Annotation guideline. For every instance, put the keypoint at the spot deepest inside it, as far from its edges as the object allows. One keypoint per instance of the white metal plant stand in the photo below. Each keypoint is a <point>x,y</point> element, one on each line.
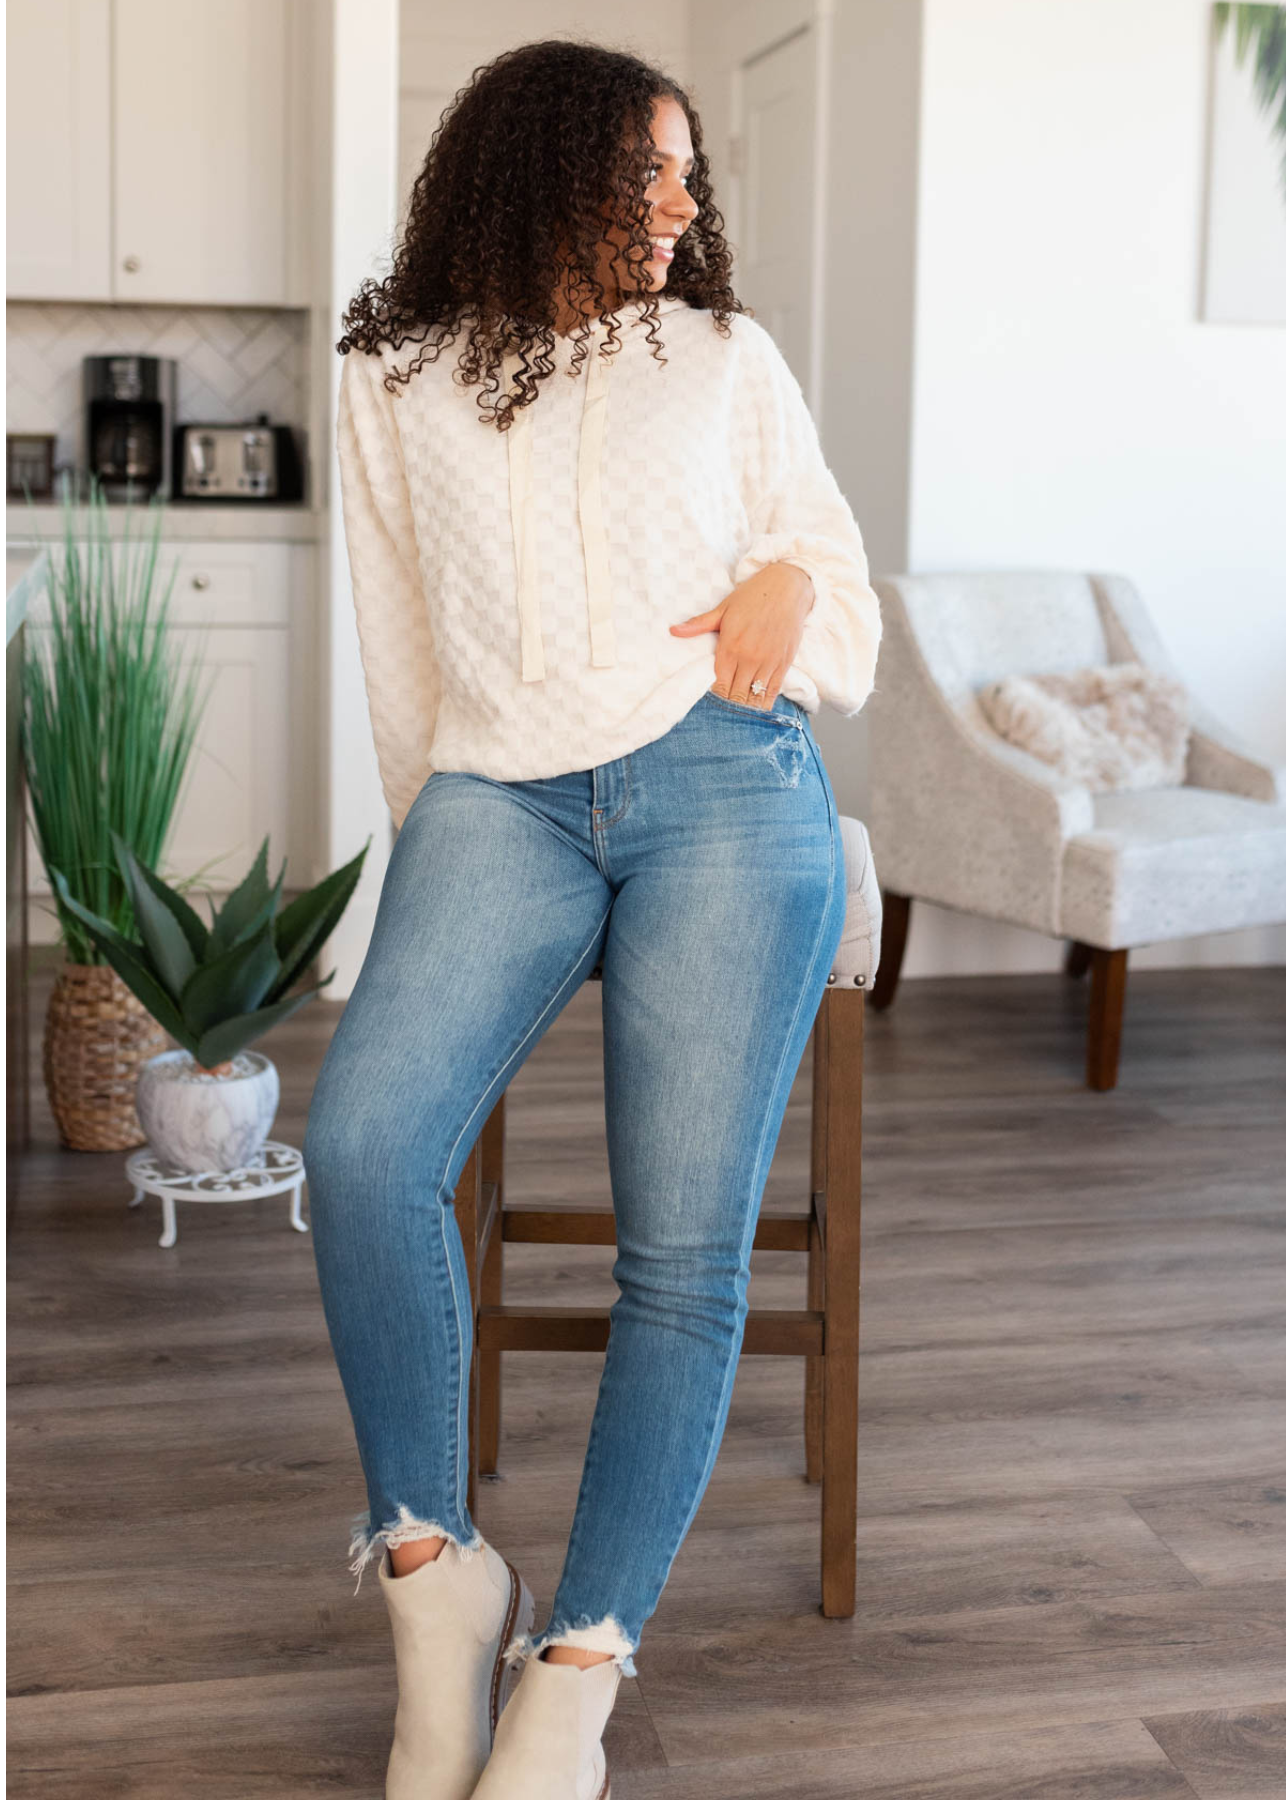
<point>276,1169</point>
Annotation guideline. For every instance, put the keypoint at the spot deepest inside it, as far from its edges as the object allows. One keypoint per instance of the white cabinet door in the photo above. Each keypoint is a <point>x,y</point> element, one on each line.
<point>58,174</point>
<point>236,786</point>
<point>238,779</point>
<point>200,165</point>
<point>241,614</point>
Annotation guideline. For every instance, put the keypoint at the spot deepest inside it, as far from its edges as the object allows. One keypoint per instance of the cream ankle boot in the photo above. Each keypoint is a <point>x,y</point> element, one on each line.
<point>453,1619</point>
<point>547,1744</point>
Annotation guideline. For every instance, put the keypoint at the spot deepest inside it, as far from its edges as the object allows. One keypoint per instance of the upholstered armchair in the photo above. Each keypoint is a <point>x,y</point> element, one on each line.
<point>962,818</point>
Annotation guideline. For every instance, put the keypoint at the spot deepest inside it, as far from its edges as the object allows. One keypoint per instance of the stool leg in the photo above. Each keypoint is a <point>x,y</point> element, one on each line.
<point>491,1292</point>
<point>466,1212</point>
<point>815,1366</point>
<point>844,1017</point>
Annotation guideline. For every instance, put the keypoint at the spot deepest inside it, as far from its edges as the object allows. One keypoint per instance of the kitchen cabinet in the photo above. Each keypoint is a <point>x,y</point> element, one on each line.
<point>58,175</point>
<point>244,613</point>
<point>157,151</point>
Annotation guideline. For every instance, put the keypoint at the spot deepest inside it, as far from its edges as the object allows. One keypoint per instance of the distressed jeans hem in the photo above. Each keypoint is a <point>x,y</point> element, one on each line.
<point>367,1543</point>
<point>606,1635</point>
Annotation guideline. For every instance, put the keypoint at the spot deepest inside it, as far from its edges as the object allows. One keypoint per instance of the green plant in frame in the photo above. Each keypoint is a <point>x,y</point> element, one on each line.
<point>217,987</point>
<point>1262,28</point>
<point>109,721</point>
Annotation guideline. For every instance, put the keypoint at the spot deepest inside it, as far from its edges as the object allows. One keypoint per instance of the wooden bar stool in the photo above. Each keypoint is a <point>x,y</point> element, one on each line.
<point>824,1333</point>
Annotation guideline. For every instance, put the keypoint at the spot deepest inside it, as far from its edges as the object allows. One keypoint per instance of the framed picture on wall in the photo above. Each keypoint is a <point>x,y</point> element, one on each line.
<point>1244,262</point>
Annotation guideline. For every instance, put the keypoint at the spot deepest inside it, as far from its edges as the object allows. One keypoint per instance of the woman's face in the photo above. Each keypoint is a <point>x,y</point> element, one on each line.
<point>671,208</point>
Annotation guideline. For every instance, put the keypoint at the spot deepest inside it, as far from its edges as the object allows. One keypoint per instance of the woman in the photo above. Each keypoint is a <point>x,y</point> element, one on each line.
<point>602,577</point>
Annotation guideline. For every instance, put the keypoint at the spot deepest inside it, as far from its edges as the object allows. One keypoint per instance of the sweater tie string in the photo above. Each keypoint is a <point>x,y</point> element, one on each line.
<point>593,533</point>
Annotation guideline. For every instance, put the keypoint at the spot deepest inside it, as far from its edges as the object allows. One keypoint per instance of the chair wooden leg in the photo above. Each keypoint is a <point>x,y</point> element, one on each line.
<point>893,933</point>
<point>491,1292</point>
<point>840,1020</point>
<point>815,1366</point>
<point>1107,1010</point>
<point>1076,958</point>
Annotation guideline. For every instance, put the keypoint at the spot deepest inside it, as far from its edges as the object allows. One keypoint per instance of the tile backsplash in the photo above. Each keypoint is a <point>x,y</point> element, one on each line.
<point>234,362</point>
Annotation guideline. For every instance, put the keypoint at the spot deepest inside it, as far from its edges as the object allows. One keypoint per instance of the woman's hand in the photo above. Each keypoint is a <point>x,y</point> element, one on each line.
<point>760,625</point>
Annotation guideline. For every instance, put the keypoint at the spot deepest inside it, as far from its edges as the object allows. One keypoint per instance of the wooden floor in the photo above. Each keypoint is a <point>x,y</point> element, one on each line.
<point>1072,1534</point>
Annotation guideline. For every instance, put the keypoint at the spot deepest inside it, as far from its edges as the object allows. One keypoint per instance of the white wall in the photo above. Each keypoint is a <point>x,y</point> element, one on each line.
<point>868,355</point>
<point>443,45</point>
<point>1069,407</point>
<point>1016,374</point>
<point>362,45</point>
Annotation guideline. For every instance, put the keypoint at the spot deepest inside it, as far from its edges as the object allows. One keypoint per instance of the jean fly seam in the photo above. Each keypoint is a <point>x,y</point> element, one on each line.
<point>602,824</point>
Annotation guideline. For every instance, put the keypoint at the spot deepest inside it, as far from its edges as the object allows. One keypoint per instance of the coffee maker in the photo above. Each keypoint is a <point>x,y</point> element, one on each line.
<point>130,406</point>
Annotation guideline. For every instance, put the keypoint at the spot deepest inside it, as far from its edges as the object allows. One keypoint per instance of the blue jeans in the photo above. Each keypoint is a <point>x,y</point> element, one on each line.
<point>706,871</point>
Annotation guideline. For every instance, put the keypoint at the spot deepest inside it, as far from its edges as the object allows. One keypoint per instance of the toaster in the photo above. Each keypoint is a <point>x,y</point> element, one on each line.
<point>257,461</point>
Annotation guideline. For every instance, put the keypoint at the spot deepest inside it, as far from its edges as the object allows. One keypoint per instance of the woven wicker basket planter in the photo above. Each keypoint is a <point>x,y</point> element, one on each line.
<point>97,1037</point>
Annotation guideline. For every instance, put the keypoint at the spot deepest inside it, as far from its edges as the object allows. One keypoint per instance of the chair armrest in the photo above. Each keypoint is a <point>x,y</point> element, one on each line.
<point>1217,757</point>
<point>958,816</point>
<point>1032,787</point>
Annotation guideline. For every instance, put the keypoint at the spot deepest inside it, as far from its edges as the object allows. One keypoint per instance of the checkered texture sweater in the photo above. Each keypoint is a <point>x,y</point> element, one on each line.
<point>514,590</point>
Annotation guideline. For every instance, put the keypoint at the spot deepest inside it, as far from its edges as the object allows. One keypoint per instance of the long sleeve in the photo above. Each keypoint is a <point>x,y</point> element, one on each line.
<point>403,680</point>
<point>800,516</point>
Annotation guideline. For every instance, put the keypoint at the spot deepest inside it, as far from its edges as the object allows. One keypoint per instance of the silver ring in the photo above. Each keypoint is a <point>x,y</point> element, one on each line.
<point>759,687</point>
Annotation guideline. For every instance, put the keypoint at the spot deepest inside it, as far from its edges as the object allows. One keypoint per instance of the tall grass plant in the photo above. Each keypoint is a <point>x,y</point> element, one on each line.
<point>109,714</point>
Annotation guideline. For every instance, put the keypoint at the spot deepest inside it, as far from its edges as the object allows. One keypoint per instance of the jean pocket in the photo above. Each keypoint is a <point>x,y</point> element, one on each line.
<point>781,713</point>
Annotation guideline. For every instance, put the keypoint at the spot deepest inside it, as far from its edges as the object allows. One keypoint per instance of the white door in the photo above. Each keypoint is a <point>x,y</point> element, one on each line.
<point>777,102</point>
<point>58,175</point>
<point>200,167</point>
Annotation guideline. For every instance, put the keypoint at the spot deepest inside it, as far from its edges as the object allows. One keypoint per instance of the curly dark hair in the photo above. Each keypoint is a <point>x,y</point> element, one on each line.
<point>534,156</point>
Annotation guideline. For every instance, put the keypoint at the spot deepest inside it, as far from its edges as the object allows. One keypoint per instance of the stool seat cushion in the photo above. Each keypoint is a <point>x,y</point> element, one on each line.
<point>858,955</point>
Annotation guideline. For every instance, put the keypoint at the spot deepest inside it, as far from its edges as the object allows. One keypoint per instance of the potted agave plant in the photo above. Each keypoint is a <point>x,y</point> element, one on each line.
<point>210,1104</point>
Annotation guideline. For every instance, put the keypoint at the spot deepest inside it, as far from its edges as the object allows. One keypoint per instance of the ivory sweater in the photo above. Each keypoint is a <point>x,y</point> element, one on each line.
<point>514,589</point>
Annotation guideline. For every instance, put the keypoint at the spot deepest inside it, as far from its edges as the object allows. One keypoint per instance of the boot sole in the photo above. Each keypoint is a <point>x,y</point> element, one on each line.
<point>519,1618</point>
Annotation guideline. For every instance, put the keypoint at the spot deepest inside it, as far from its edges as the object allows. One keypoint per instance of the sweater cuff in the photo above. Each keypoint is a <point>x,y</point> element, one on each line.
<point>842,628</point>
<point>807,553</point>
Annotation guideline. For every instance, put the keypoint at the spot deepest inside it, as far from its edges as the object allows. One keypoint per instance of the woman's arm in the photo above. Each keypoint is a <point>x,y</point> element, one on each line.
<point>800,516</point>
<point>403,683</point>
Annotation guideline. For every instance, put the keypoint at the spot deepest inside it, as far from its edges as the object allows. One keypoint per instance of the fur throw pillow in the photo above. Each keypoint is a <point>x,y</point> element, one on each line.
<point>1121,726</point>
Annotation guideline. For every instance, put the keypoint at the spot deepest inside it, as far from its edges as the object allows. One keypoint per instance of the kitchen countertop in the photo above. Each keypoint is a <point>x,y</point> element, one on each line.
<point>184,521</point>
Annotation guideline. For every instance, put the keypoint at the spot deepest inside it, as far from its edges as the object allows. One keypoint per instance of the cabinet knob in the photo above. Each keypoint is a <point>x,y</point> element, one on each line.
<point>200,581</point>
<point>131,265</point>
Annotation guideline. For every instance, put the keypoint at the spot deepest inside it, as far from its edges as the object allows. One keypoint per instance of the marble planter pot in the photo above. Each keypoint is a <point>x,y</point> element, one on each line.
<point>200,1121</point>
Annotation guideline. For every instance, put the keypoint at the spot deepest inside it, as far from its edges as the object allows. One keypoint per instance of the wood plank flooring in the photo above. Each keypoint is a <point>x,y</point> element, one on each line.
<point>1072,1532</point>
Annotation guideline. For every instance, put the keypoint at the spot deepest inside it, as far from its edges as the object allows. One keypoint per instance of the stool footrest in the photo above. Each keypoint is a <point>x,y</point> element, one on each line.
<point>597,1225</point>
<point>768,1332</point>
